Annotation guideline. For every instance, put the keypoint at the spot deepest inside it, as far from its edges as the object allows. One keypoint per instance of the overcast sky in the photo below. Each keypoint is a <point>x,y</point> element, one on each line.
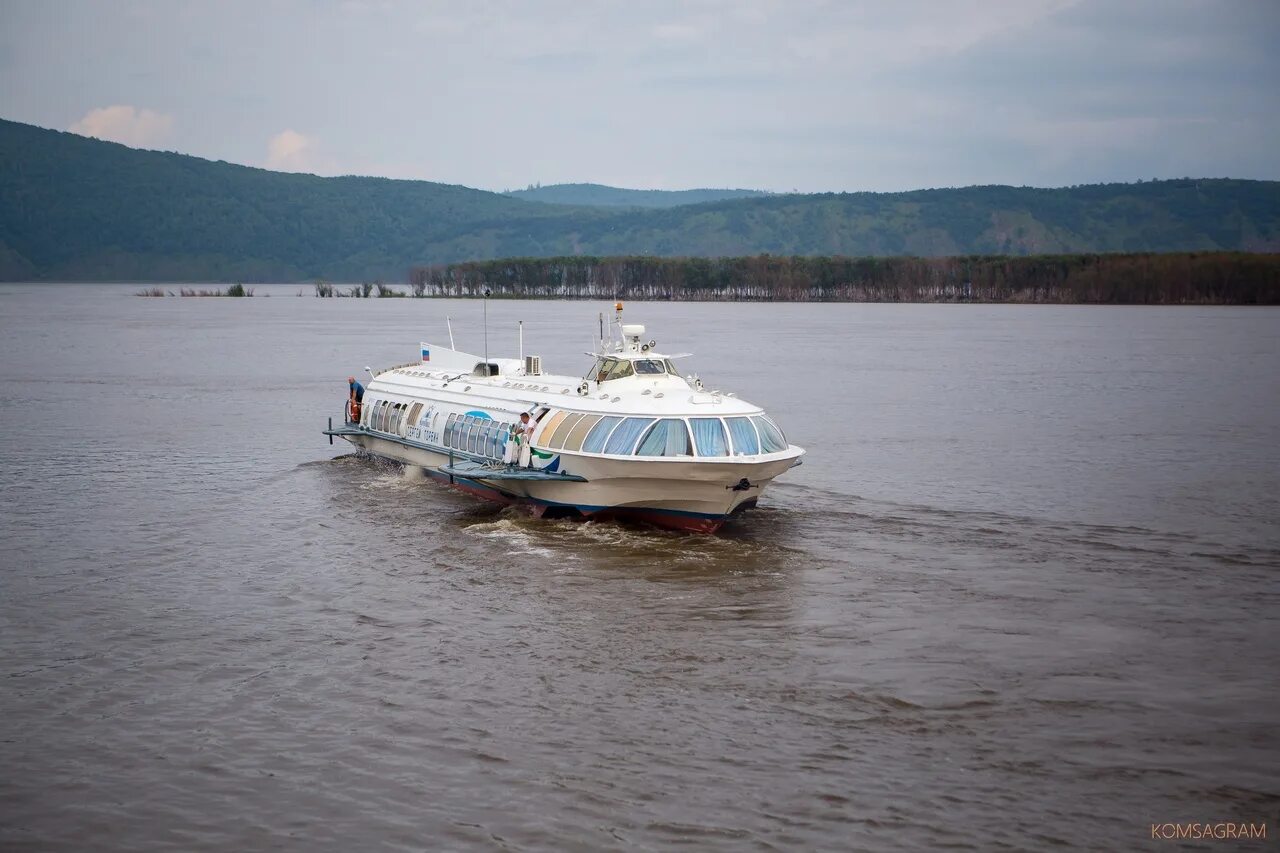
<point>809,96</point>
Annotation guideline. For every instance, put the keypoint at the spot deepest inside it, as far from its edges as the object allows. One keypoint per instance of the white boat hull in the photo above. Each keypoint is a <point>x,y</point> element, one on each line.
<point>683,494</point>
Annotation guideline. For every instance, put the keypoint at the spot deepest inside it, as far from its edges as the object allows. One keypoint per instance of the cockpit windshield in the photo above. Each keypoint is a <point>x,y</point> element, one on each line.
<point>649,366</point>
<point>611,368</point>
<point>608,367</point>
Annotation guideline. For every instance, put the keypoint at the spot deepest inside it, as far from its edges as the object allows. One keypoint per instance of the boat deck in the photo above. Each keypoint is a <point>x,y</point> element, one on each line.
<point>467,468</point>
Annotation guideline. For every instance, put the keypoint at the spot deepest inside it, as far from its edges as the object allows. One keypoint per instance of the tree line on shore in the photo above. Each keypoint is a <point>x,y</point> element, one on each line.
<point>1176,278</point>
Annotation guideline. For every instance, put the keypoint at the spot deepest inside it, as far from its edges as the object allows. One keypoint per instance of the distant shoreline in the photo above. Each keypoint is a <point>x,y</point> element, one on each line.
<point>1177,278</point>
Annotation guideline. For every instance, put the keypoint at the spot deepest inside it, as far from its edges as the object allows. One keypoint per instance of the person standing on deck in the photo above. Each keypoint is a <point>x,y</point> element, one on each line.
<point>525,430</point>
<point>357,397</point>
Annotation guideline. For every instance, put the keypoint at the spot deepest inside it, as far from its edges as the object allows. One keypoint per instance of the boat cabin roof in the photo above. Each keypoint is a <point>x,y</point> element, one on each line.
<point>630,377</point>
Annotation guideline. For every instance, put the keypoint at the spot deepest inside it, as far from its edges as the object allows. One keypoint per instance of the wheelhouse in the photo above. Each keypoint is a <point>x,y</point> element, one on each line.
<point>609,367</point>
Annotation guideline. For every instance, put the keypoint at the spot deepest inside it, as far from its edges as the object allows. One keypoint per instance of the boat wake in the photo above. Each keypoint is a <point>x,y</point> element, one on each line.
<point>627,548</point>
<point>517,539</point>
<point>823,513</point>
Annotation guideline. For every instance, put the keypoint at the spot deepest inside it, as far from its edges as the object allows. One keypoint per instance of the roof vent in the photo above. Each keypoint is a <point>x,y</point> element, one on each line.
<point>533,365</point>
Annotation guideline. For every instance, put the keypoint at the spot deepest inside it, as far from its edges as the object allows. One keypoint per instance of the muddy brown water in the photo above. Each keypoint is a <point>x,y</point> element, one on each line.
<point>1022,593</point>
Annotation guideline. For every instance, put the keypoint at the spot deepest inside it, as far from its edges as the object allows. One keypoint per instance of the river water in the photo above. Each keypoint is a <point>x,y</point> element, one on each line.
<point>1022,593</point>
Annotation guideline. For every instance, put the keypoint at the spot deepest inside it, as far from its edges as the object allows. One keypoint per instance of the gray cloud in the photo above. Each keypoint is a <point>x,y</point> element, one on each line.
<point>805,95</point>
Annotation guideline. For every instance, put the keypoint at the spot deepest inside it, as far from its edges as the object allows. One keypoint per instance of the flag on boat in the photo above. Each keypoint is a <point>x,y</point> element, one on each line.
<point>426,354</point>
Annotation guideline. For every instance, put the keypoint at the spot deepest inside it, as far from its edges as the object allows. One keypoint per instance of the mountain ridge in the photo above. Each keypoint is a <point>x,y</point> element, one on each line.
<point>600,195</point>
<point>80,209</point>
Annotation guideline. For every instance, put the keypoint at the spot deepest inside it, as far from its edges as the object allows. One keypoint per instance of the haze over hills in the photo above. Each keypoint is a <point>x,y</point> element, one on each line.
<point>75,208</point>
<point>603,196</point>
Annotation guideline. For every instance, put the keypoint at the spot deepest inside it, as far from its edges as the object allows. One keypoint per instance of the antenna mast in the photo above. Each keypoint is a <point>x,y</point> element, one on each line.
<point>486,331</point>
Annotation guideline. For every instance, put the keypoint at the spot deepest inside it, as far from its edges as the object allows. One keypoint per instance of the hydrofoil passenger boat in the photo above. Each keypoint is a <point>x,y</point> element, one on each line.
<point>633,438</point>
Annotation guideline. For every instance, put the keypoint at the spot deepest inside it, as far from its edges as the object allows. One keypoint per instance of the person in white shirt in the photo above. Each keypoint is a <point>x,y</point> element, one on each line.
<point>516,450</point>
<point>525,429</point>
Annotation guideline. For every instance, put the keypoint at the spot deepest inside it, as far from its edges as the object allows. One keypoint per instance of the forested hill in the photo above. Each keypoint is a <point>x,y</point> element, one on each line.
<point>80,209</point>
<point>73,208</point>
<point>602,196</point>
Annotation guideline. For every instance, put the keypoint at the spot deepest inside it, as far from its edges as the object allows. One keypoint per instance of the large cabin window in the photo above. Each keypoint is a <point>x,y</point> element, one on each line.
<point>623,440</point>
<point>448,430</point>
<point>600,434</point>
<point>465,433</point>
<point>550,427</point>
<point>501,433</point>
<point>771,438</point>
<point>566,426</point>
<point>708,434</point>
<point>579,432</point>
<point>496,440</point>
<point>668,437</point>
<point>745,442</point>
